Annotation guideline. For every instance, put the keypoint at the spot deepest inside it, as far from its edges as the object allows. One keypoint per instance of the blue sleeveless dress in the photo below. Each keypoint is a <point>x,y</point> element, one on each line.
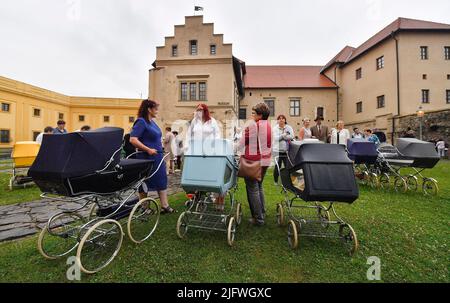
<point>150,135</point>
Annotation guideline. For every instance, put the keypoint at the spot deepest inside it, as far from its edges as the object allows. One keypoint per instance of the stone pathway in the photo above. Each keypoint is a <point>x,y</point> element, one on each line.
<point>25,219</point>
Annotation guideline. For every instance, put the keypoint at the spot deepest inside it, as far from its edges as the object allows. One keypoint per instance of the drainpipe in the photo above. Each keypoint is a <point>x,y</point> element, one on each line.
<point>337,94</point>
<point>398,85</point>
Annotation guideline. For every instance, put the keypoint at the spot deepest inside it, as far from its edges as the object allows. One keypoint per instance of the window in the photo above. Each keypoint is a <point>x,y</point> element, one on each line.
<point>242,114</point>
<point>424,52</point>
<point>358,73</point>
<point>81,118</point>
<point>271,105</point>
<point>380,102</point>
<point>193,91</point>
<point>359,107</point>
<point>448,76</point>
<point>35,134</point>
<point>202,91</point>
<point>184,91</point>
<point>447,52</point>
<point>60,116</point>
<point>4,136</point>
<point>106,119</point>
<point>174,50</point>
<point>5,107</point>
<point>131,119</point>
<point>380,62</point>
<point>320,112</point>
<point>36,112</point>
<point>425,96</point>
<point>294,110</point>
<point>213,49</point>
<point>193,47</point>
<point>424,76</point>
<point>447,96</point>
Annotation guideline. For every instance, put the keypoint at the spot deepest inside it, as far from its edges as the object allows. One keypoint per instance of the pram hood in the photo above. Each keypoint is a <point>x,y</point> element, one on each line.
<point>415,148</point>
<point>315,153</point>
<point>361,147</point>
<point>76,154</point>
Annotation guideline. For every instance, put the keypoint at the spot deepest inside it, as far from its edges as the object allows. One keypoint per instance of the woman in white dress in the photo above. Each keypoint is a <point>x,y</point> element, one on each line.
<point>340,135</point>
<point>305,131</point>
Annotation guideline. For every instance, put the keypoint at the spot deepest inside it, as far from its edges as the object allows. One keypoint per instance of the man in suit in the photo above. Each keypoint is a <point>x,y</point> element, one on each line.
<point>320,131</point>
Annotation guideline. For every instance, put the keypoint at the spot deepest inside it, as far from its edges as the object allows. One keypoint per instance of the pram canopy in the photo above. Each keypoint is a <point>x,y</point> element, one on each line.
<point>328,173</point>
<point>209,166</point>
<point>362,151</point>
<point>423,153</point>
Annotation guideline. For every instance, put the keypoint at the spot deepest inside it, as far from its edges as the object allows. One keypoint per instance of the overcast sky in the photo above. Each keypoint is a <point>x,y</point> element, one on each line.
<point>105,48</point>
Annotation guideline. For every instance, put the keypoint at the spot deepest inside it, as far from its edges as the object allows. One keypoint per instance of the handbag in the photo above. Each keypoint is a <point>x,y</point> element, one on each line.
<point>250,169</point>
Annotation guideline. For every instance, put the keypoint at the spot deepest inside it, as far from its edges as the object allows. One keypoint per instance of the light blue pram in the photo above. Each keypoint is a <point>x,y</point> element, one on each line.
<point>209,172</point>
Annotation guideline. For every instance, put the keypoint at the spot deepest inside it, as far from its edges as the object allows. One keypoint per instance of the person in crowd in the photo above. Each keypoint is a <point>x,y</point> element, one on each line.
<point>47,131</point>
<point>169,141</point>
<point>320,131</point>
<point>204,127</point>
<point>440,146</point>
<point>61,128</point>
<point>178,149</point>
<point>357,134</point>
<point>409,133</point>
<point>371,137</point>
<point>256,143</point>
<point>146,137</point>
<point>236,138</point>
<point>305,131</point>
<point>283,134</point>
<point>340,135</point>
<point>85,128</point>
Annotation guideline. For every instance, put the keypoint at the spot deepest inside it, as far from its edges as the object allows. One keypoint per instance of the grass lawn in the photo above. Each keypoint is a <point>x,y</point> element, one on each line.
<point>408,232</point>
<point>17,195</point>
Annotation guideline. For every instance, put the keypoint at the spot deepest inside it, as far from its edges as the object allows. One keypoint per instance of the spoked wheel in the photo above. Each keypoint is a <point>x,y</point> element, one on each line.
<point>430,187</point>
<point>231,231</point>
<point>412,183</point>
<point>400,185</point>
<point>373,180</point>
<point>292,234</point>
<point>99,246</point>
<point>143,220</point>
<point>182,226</point>
<point>348,235</point>
<point>238,214</point>
<point>280,214</point>
<point>384,181</point>
<point>93,212</point>
<point>323,216</point>
<point>365,178</point>
<point>60,236</point>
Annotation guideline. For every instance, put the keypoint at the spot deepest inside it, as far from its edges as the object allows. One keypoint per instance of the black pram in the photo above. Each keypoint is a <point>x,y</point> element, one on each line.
<point>317,173</point>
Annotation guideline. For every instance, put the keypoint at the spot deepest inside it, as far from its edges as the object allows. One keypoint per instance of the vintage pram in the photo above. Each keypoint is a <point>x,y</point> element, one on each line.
<point>23,155</point>
<point>327,175</point>
<point>413,153</point>
<point>210,170</point>
<point>364,155</point>
<point>85,168</point>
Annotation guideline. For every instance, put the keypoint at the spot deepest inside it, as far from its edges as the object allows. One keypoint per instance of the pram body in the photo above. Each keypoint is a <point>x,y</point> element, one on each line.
<point>23,155</point>
<point>328,176</point>
<point>210,173</point>
<point>84,168</point>
<point>365,155</point>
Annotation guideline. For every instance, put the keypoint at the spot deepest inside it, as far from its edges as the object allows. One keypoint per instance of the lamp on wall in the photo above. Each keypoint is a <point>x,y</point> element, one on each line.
<point>420,115</point>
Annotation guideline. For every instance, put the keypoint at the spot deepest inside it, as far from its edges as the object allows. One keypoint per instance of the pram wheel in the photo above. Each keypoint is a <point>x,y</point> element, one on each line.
<point>143,220</point>
<point>292,234</point>
<point>412,183</point>
<point>348,235</point>
<point>99,246</point>
<point>93,212</point>
<point>373,180</point>
<point>60,235</point>
<point>430,187</point>
<point>280,214</point>
<point>400,184</point>
<point>182,227</point>
<point>365,178</point>
<point>231,231</point>
<point>384,181</point>
<point>238,213</point>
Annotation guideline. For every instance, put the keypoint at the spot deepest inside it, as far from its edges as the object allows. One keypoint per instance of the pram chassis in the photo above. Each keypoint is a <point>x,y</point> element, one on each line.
<point>69,230</point>
<point>318,225</point>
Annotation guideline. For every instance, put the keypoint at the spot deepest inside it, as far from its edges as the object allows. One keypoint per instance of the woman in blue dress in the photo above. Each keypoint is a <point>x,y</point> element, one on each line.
<point>146,137</point>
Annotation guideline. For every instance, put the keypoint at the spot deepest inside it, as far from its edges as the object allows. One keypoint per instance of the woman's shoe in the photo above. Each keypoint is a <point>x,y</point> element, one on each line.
<point>167,210</point>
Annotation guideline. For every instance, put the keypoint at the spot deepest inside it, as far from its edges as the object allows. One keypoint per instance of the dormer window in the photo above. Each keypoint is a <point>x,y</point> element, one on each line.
<point>213,49</point>
<point>174,50</point>
<point>193,47</point>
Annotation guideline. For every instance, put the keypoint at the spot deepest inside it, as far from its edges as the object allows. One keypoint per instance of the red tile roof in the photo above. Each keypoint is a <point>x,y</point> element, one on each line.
<point>286,77</point>
<point>401,24</point>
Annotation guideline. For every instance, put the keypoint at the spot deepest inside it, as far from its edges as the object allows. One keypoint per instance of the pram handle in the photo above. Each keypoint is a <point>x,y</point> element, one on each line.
<point>142,152</point>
